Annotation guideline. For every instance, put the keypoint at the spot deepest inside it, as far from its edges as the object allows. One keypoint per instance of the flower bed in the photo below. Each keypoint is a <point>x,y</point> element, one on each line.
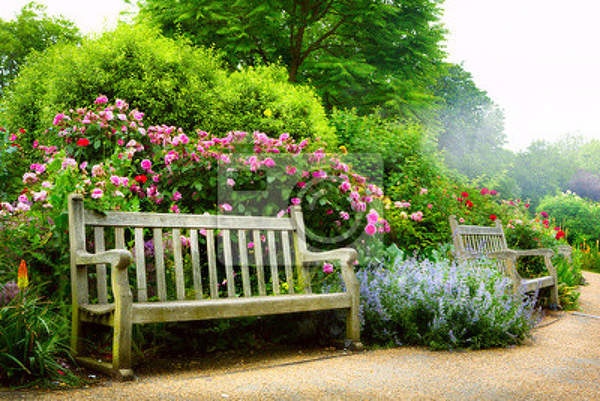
<point>441,305</point>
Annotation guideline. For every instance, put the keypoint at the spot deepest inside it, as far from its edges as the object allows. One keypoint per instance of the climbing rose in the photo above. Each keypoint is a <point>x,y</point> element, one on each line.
<point>97,193</point>
<point>295,201</point>
<point>370,229</point>
<point>327,268</point>
<point>141,179</point>
<point>493,217</point>
<point>146,164</point>
<point>176,196</point>
<point>560,234</point>
<point>464,194</point>
<point>373,216</point>
<point>101,99</point>
<point>83,142</point>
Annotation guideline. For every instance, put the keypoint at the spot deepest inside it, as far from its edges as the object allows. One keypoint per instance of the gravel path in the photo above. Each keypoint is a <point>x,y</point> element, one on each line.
<point>561,362</point>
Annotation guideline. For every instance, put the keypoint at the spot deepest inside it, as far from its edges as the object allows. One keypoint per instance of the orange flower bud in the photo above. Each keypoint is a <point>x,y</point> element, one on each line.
<point>22,280</point>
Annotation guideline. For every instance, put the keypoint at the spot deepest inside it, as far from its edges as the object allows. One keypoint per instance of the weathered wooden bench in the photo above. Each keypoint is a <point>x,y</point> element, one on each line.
<point>471,242</point>
<point>193,295</point>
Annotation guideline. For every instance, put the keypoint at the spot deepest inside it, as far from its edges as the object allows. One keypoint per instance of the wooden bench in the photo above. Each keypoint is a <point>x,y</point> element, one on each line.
<point>191,285</point>
<point>471,242</point>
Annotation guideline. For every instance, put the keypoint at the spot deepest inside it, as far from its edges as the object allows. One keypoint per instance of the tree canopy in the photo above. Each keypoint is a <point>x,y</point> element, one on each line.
<point>356,53</point>
<point>32,30</point>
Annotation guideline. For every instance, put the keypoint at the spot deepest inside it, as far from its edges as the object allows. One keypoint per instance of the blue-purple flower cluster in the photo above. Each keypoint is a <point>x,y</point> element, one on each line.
<point>442,305</point>
<point>8,292</point>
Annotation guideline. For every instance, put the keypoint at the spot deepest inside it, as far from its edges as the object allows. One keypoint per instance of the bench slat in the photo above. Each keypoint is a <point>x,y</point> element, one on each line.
<point>243,248</point>
<point>466,230</point>
<point>178,259</point>
<point>273,261</point>
<point>212,264</point>
<point>140,265</point>
<point>287,261</point>
<point>182,221</point>
<point>119,238</point>
<point>236,307</point>
<point>159,261</point>
<point>99,246</point>
<point>197,275</point>
<point>258,257</point>
<point>228,263</point>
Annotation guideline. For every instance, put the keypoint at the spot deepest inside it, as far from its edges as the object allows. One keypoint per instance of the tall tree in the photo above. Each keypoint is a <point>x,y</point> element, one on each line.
<point>32,30</point>
<point>357,53</point>
<point>472,126</point>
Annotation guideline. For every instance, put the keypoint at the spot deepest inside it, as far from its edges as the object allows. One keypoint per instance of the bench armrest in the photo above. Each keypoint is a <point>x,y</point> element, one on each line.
<point>346,256</point>
<point>534,252</point>
<point>117,258</point>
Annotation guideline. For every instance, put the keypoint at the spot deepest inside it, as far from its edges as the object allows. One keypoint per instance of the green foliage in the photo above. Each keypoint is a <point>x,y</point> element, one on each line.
<point>31,31</point>
<point>174,83</point>
<point>357,53</point>
<point>578,217</point>
<point>31,343</point>
<point>569,279</point>
<point>587,256</point>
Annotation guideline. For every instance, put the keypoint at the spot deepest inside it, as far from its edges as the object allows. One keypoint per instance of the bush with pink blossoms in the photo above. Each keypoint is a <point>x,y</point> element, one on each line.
<point>129,166</point>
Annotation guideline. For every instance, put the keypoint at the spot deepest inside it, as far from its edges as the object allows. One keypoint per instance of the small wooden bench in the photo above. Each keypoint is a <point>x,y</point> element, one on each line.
<point>471,242</point>
<point>206,278</point>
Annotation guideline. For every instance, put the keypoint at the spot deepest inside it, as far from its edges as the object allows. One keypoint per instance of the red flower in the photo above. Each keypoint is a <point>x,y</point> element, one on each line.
<point>469,204</point>
<point>527,205</point>
<point>485,191</point>
<point>60,372</point>
<point>83,142</point>
<point>21,130</point>
<point>560,234</point>
<point>464,194</point>
<point>493,217</point>
<point>556,228</point>
<point>141,179</point>
<point>544,214</point>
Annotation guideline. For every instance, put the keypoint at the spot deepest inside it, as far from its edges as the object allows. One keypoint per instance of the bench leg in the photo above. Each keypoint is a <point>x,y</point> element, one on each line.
<point>121,362</point>
<point>353,330</point>
<point>554,302</point>
<point>76,332</point>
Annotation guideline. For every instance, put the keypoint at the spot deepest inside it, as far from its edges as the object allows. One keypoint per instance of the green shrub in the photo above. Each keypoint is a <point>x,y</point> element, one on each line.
<point>31,342</point>
<point>587,256</point>
<point>578,217</point>
<point>173,82</point>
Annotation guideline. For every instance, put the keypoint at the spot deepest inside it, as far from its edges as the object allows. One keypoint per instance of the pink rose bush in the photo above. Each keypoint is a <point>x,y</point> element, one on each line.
<point>130,166</point>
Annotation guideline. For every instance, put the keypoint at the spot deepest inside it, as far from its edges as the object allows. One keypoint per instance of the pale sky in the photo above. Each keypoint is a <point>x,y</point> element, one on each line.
<point>538,59</point>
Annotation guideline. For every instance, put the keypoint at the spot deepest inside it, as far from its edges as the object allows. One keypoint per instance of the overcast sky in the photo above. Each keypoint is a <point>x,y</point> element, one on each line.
<point>538,59</point>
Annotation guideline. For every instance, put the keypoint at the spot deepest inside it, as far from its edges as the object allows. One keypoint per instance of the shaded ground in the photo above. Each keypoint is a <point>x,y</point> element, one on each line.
<point>561,362</point>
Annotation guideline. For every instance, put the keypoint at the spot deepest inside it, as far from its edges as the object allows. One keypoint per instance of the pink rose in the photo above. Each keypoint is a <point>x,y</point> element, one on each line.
<point>370,229</point>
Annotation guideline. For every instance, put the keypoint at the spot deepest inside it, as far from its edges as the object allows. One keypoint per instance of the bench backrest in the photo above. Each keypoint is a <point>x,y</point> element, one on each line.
<point>475,241</point>
<point>181,256</point>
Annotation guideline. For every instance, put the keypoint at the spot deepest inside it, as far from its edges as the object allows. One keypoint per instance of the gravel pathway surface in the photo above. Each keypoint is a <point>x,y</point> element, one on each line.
<point>561,362</point>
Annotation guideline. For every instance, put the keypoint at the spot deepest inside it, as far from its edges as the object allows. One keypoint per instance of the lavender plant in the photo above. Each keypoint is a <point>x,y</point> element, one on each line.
<point>442,305</point>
